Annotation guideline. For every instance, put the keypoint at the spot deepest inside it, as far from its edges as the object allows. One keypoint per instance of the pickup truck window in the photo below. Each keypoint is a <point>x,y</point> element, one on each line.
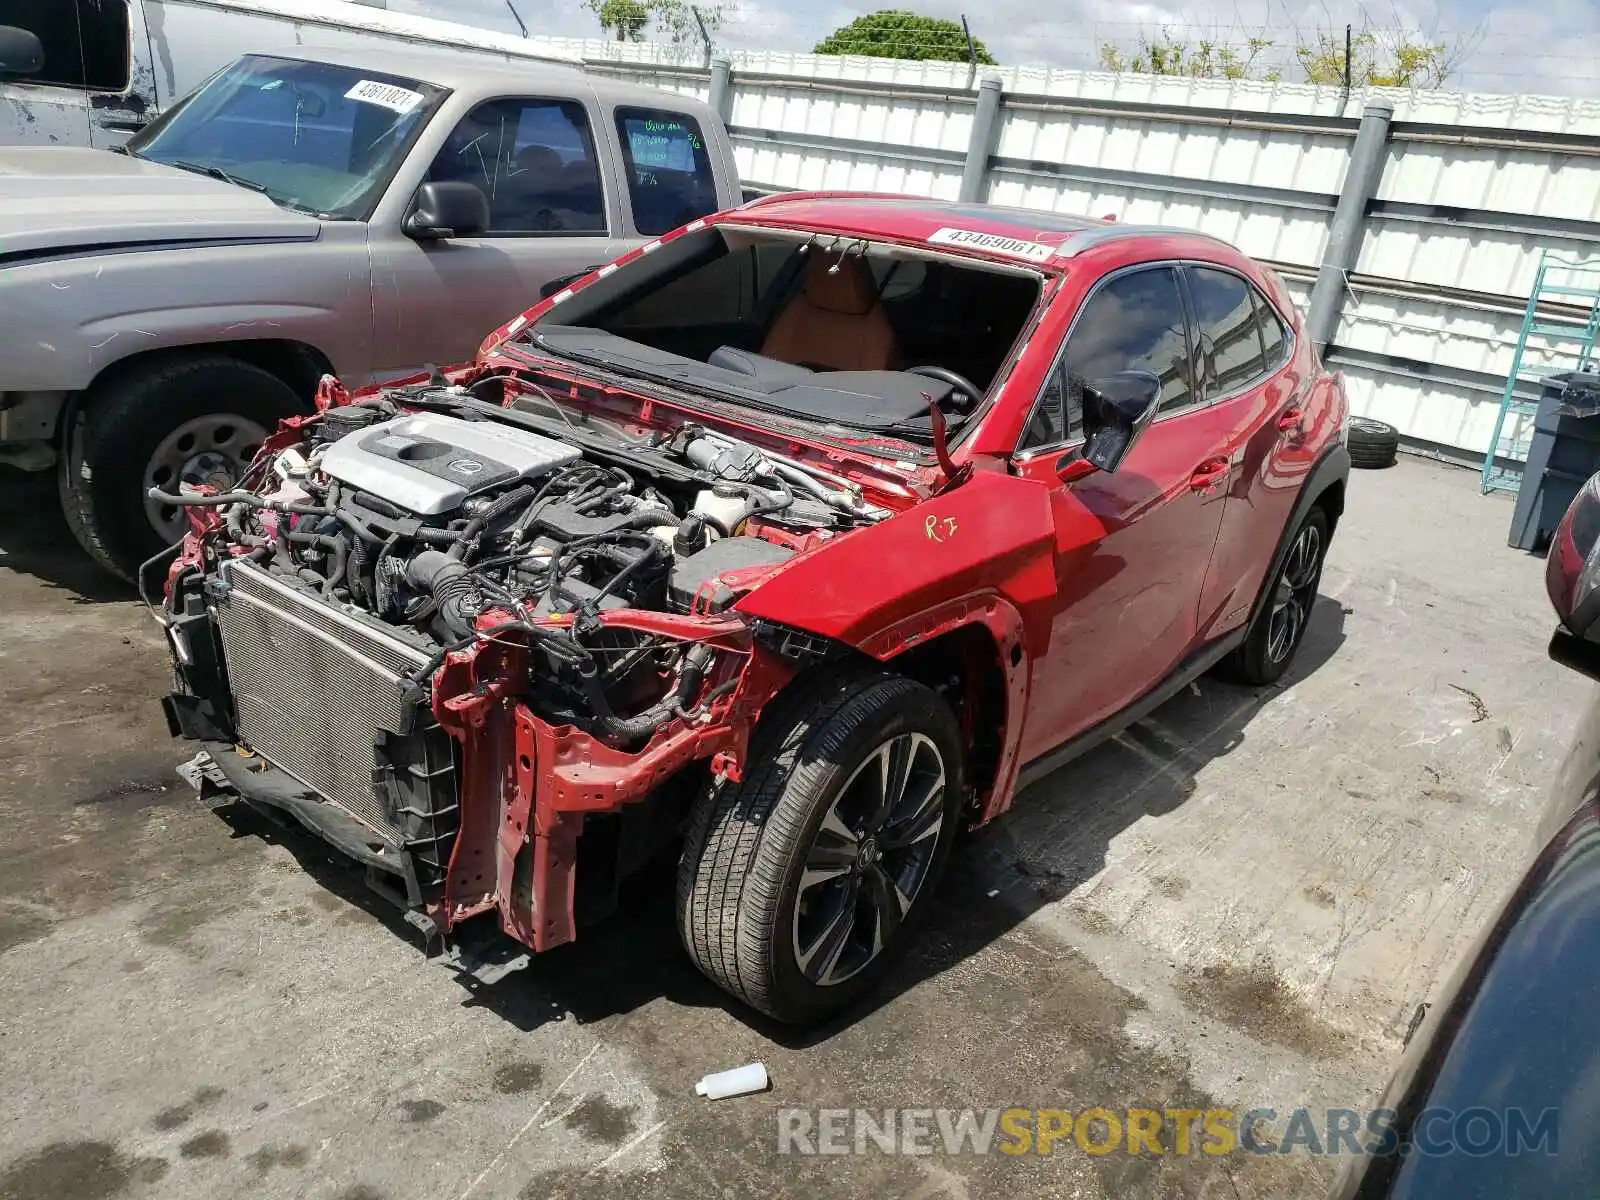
<point>670,178</point>
<point>535,161</point>
<point>85,42</point>
<point>313,136</point>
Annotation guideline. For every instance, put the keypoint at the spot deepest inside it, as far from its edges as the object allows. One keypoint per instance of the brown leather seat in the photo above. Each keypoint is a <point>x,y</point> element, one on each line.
<point>837,321</point>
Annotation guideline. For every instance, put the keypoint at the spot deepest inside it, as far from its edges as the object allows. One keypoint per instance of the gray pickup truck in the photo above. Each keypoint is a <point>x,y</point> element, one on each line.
<point>353,212</point>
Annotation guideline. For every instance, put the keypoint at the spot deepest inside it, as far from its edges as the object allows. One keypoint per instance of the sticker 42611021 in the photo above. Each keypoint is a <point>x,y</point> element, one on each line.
<point>996,242</point>
<point>370,91</point>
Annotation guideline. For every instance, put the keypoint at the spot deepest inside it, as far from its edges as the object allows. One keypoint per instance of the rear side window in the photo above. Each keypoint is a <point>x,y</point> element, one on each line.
<point>670,178</point>
<point>1133,323</point>
<point>535,161</point>
<point>1230,342</point>
<point>1274,338</point>
<point>85,41</point>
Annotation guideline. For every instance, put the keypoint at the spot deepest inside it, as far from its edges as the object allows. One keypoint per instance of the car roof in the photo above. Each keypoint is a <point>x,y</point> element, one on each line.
<point>484,74</point>
<point>916,218</point>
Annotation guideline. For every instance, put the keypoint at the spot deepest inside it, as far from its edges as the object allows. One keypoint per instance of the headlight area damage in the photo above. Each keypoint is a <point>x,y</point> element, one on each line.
<point>487,652</point>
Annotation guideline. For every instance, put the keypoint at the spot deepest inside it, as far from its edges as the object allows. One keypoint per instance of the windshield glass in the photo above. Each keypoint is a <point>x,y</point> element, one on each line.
<point>850,333</point>
<point>312,136</point>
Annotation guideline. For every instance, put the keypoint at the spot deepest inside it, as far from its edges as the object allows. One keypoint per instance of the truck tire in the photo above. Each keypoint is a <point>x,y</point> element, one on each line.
<point>1372,444</point>
<point>799,886</point>
<point>201,418</point>
<point>1280,626</point>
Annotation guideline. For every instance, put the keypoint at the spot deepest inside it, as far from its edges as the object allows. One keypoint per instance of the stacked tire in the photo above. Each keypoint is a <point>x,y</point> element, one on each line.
<point>1372,444</point>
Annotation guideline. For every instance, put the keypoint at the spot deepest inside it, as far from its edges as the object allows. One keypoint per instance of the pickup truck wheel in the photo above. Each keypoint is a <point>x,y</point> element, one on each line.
<point>197,419</point>
<point>798,887</point>
<point>1281,624</point>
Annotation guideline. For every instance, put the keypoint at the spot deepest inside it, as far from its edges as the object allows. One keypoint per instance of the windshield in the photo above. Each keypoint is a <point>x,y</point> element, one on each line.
<point>850,333</point>
<point>314,137</point>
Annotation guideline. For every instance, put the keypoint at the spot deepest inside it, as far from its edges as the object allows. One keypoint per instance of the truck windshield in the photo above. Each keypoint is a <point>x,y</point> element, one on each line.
<point>313,136</point>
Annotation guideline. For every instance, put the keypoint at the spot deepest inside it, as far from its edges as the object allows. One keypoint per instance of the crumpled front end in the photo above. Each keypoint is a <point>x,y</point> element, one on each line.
<point>476,657</point>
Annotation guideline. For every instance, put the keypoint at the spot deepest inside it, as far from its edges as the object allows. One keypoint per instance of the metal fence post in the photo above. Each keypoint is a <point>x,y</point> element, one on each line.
<point>985,124</point>
<point>1361,179</point>
<point>721,98</point>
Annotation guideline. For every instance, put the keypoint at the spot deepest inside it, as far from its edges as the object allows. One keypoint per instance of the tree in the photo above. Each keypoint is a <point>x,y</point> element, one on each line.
<point>681,22</point>
<point>1378,58</point>
<point>893,33</point>
<point>1205,59</point>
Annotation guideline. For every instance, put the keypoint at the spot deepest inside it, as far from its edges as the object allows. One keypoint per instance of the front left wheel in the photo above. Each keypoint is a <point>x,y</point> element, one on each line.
<point>798,887</point>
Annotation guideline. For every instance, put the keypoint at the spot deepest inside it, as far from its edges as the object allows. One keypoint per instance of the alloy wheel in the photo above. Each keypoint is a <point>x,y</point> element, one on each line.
<point>1295,592</point>
<point>869,859</point>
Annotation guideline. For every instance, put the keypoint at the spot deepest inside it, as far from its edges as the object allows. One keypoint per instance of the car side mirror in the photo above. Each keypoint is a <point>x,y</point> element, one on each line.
<point>1116,409</point>
<point>21,53</point>
<point>447,209</point>
<point>1572,581</point>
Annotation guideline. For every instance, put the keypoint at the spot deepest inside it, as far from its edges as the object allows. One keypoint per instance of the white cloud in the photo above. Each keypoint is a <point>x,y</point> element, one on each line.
<point>1549,46</point>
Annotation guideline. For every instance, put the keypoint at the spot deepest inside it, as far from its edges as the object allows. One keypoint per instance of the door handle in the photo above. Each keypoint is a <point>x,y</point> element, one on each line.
<point>1208,474</point>
<point>1289,419</point>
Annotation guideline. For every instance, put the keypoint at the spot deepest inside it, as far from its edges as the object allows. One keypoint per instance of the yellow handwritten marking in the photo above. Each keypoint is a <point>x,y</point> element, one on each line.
<point>932,526</point>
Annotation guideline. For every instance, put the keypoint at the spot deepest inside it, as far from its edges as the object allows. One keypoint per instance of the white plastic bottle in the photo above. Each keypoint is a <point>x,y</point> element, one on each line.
<point>737,1082</point>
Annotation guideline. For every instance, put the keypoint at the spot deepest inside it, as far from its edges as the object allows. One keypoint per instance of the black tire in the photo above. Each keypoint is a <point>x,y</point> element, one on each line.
<point>1372,444</point>
<point>118,428</point>
<point>739,880</point>
<point>1269,648</point>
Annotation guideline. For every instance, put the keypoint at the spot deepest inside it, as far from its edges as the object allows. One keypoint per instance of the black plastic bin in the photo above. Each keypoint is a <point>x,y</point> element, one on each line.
<point>1565,451</point>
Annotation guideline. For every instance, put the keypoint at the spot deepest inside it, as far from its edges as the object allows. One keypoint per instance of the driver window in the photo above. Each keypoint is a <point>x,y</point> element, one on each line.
<point>534,160</point>
<point>85,42</point>
<point>1133,323</point>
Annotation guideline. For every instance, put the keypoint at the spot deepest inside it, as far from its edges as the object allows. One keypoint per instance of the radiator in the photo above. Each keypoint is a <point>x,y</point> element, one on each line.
<point>313,688</point>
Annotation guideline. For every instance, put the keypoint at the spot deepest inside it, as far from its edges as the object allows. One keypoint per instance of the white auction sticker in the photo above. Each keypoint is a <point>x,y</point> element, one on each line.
<point>370,91</point>
<point>998,243</point>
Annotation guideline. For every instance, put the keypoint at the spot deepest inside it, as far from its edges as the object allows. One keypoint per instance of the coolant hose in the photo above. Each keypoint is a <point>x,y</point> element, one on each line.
<point>256,501</point>
<point>695,663</point>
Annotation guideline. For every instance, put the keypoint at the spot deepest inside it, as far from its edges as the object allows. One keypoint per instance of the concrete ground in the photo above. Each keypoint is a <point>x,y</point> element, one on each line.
<point>1239,902</point>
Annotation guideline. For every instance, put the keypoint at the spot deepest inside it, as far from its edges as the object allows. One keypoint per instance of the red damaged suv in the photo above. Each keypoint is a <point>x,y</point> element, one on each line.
<point>795,541</point>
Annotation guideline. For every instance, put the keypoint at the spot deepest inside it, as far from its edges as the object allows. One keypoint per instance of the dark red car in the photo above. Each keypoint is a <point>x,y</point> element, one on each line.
<point>800,539</point>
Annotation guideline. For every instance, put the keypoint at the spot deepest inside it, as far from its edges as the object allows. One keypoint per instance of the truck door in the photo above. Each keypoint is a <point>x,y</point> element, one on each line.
<point>553,212</point>
<point>122,79</point>
<point>96,86</point>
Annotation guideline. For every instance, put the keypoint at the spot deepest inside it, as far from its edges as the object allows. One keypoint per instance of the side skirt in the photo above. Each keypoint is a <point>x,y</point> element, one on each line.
<point>1196,665</point>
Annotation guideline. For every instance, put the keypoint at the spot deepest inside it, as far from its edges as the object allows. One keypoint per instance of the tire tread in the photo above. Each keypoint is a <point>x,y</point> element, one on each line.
<point>114,404</point>
<point>740,837</point>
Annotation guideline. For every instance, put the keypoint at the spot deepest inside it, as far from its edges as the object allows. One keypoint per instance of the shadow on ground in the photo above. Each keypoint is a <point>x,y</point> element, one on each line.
<point>991,885</point>
<point>34,540</point>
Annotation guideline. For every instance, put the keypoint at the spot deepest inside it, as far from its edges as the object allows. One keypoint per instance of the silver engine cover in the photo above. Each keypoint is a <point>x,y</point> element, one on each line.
<point>428,463</point>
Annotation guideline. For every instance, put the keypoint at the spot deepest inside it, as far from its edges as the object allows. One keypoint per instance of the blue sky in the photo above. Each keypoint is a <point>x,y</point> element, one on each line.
<point>1529,46</point>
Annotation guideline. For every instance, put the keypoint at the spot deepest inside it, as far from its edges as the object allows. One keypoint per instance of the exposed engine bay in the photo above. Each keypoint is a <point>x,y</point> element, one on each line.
<point>427,519</point>
<point>417,558</point>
